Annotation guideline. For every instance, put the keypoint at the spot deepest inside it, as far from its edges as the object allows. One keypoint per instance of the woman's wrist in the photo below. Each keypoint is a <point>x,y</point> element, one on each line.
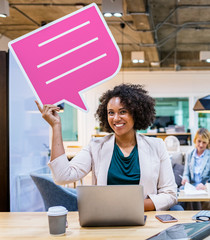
<point>56,126</point>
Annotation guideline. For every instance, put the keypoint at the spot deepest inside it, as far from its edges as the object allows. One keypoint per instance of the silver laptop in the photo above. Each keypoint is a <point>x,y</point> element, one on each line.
<point>112,205</point>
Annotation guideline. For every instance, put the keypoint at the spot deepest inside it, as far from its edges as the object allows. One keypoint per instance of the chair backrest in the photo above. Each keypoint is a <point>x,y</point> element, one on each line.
<point>172,144</point>
<point>55,195</point>
<point>178,170</point>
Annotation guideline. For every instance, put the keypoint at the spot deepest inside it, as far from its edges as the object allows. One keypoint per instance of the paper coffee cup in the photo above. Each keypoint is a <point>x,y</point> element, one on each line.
<point>57,220</point>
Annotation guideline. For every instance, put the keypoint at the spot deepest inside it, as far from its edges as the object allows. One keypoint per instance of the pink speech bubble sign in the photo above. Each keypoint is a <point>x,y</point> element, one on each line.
<point>68,56</point>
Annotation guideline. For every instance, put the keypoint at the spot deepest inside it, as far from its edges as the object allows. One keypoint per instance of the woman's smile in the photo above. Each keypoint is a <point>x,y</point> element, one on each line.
<point>119,125</point>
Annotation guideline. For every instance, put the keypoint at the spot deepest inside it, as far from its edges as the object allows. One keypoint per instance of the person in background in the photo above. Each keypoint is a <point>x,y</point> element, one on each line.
<point>123,156</point>
<point>197,164</point>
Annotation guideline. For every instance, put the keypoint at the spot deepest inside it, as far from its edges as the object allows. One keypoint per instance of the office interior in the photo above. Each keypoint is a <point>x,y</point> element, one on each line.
<point>26,138</point>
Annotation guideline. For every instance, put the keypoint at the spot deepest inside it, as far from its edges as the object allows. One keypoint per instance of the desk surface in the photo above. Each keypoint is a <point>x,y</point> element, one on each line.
<point>194,198</point>
<point>35,226</point>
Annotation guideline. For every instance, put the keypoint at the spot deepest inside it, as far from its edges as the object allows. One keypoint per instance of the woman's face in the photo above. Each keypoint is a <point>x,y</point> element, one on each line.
<point>119,118</point>
<point>201,144</point>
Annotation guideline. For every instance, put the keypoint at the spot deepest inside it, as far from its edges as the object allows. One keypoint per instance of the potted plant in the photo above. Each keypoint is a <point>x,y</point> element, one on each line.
<point>97,129</point>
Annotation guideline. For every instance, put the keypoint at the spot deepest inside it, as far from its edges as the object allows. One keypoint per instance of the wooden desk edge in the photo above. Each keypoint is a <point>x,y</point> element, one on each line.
<point>27,225</point>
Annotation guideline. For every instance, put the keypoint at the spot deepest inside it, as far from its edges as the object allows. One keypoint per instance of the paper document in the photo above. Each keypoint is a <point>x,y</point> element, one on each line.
<point>189,189</point>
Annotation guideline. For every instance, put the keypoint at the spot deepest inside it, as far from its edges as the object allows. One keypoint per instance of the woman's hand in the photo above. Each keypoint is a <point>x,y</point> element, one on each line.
<point>184,181</point>
<point>49,113</point>
<point>148,205</point>
<point>200,186</point>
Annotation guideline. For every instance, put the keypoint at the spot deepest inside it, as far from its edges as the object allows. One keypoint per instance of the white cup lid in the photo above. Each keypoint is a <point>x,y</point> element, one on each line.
<point>57,211</point>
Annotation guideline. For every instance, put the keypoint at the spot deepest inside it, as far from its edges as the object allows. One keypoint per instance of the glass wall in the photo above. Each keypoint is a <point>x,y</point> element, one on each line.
<point>171,111</point>
<point>69,123</point>
<point>204,120</point>
<point>29,142</point>
<point>177,109</point>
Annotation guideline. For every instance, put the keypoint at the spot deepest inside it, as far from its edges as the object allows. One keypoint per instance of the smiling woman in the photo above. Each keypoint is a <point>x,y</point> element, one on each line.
<point>123,157</point>
<point>124,110</point>
<point>135,99</point>
<point>197,164</point>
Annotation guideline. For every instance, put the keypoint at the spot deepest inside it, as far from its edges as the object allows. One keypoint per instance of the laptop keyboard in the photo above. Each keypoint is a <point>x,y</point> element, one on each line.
<point>201,213</point>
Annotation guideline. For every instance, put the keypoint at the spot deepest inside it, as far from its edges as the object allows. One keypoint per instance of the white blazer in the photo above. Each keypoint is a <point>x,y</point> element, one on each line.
<point>156,174</point>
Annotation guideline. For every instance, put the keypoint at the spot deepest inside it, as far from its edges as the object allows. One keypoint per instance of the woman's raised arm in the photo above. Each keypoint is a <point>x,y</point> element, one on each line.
<point>49,113</point>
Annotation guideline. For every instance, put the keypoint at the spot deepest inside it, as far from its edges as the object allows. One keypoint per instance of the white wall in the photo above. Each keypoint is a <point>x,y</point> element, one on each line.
<point>159,84</point>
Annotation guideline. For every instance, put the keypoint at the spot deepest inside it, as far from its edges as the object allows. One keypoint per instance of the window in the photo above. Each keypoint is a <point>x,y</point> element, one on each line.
<point>171,111</point>
<point>204,120</point>
<point>175,108</point>
<point>69,123</point>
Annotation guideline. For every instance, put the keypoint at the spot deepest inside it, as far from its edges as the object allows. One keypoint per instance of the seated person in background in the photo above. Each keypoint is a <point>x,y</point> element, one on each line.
<point>197,164</point>
<point>122,157</point>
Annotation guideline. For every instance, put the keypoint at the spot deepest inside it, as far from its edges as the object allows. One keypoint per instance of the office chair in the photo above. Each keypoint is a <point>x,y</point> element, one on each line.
<point>173,148</point>
<point>172,144</point>
<point>55,195</point>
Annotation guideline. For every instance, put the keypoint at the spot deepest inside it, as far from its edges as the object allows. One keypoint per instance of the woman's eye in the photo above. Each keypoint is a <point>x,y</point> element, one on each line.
<point>110,113</point>
<point>123,112</point>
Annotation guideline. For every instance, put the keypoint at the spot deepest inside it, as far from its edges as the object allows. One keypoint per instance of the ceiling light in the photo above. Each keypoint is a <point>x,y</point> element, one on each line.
<point>118,14</point>
<point>203,105</point>
<point>135,60</point>
<point>137,57</point>
<point>79,5</point>
<point>205,56</point>
<point>107,15</point>
<point>155,64</point>
<point>112,8</point>
<point>4,8</point>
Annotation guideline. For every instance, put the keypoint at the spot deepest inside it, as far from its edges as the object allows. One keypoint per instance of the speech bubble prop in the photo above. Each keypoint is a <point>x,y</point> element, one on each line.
<point>68,56</point>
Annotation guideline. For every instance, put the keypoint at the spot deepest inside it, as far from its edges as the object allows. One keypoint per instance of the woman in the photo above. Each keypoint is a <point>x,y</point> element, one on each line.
<point>123,157</point>
<point>197,164</point>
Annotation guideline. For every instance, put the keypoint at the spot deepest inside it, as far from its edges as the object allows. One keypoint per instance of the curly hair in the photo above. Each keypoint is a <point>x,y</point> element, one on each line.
<point>135,99</point>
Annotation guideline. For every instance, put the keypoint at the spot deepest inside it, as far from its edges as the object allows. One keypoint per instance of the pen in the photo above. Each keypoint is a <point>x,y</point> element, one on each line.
<point>181,176</point>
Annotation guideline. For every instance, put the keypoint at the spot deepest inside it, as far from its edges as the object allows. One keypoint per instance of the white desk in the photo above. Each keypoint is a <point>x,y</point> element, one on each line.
<point>182,197</point>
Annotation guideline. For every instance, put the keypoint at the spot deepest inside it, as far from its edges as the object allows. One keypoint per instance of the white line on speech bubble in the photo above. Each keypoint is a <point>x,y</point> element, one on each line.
<point>67,52</point>
<point>76,68</point>
<point>63,34</point>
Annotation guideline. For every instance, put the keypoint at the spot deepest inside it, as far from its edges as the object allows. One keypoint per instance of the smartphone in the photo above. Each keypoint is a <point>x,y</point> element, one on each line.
<point>166,218</point>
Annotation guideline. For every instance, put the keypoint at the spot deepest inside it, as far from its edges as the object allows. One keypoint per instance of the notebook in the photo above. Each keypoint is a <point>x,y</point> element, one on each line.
<point>112,205</point>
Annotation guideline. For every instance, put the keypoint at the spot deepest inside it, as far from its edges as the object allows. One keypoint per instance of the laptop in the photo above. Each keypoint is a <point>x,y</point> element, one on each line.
<point>112,205</point>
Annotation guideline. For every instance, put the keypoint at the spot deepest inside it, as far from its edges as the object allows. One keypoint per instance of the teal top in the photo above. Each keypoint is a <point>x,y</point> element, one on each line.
<point>124,170</point>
